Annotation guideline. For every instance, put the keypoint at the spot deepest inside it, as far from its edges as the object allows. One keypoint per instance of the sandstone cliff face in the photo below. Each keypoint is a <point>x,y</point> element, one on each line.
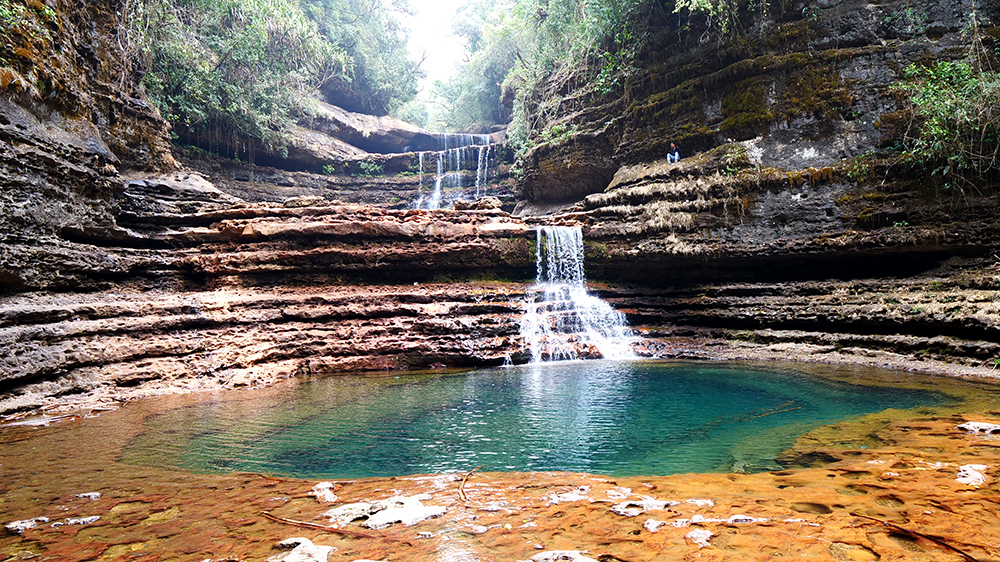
<point>776,243</point>
<point>117,273</point>
<point>783,230</point>
<point>71,115</point>
<point>808,87</point>
<point>195,289</point>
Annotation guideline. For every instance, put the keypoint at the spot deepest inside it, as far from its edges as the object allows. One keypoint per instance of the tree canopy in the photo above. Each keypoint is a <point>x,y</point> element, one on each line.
<point>245,67</point>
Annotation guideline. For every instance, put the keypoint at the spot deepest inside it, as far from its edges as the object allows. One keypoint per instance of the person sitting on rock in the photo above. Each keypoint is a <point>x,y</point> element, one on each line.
<point>675,153</point>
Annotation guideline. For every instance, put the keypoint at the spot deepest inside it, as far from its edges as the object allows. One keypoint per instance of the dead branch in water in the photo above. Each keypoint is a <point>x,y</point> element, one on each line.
<point>919,535</point>
<point>780,409</point>
<point>266,477</point>
<point>307,525</point>
<point>461,487</point>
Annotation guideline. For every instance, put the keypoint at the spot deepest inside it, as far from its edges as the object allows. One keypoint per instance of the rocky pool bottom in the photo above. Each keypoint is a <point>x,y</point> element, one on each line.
<point>897,485</point>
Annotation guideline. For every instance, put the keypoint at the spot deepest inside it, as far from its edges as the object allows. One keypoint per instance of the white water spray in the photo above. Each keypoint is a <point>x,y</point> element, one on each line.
<point>562,321</point>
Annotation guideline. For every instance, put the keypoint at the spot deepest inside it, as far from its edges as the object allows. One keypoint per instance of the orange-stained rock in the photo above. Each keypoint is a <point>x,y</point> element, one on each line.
<point>892,483</point>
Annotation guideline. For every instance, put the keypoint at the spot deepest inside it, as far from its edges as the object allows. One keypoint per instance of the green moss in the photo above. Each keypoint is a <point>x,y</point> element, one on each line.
<point>517,252</point>
<point>816,91</point>
<point>745,109</point>
<point>596,250</point>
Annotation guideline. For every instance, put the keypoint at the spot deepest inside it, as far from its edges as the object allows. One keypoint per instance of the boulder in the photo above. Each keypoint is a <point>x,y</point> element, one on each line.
<point>176,193</point>
<point>377,134</point>
<point>569,170</point>
<point>311,150</point>
<point>482,204</point>
<point>303,201</point>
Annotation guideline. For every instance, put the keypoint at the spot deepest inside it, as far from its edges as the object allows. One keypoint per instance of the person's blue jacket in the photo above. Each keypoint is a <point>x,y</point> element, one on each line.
<point>675,153</point>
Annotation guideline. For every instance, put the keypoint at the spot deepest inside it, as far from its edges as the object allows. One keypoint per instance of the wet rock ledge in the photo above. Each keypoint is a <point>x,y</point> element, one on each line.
<point>80,349</point>
<point>191,288</point>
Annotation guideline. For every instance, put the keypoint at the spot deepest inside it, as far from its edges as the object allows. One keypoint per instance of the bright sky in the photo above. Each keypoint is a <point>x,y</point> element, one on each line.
<point>430,32</point>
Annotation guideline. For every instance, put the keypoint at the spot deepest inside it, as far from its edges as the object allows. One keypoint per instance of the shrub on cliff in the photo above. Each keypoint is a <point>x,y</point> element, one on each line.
<point>382,76</point>
<point>584,52</point>
<point>955,133</point>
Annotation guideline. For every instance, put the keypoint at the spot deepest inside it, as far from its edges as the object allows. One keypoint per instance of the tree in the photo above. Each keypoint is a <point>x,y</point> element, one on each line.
<point>383,77</point>
<point>247,68</point>
<point>238,66</point>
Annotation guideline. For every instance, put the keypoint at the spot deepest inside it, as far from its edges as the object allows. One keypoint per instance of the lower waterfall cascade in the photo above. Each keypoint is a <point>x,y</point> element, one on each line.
<point>562,321</point>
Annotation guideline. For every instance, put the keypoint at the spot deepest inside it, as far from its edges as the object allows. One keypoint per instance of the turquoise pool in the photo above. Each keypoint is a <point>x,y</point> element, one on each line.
<point>614,418</point>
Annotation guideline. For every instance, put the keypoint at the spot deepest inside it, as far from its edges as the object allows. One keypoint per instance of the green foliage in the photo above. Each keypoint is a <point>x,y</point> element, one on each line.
<point>382,77</point>
<point>566,44</point>
<point>472,99</point>
<point>46,13</point>
<point>371,169</point>
<point>249,68</point>
<point>725,14</point>
<point>811,14</point>
<point>617,63</point>
<point>722,12</point>
<point>734,160</point>
<point>27,22</point>
<point>907,20</point>
<point>860,168</point>
<point>523,52</point>
<point>238,66</point>
<point>9,14</point>
<point>559,132</point>
<point>955,133</point>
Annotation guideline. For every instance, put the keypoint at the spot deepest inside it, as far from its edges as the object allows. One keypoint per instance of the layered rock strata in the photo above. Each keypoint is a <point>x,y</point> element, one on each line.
<point>785,223</point>
<point>400,179</point>
<point>192,288</point>
<point>756,262</point>
<point>810,85</point>
<point>778,244</point>
<point>121,344</point>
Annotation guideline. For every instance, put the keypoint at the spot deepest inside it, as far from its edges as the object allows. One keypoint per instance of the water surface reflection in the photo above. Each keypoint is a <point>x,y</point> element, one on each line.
<point>617,418</point>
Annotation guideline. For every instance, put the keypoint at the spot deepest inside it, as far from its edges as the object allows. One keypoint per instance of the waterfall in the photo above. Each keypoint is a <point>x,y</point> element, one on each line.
<point>482,167</point>
<point>562,321</point>
<point>455,152</point>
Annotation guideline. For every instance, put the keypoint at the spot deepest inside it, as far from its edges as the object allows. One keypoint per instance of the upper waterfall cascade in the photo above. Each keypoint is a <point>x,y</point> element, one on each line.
<point>456,154</point>
<point>562,321</point>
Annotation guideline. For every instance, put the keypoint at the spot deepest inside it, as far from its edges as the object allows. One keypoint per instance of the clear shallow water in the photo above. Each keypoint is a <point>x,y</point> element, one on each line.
<point>615,418</point>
